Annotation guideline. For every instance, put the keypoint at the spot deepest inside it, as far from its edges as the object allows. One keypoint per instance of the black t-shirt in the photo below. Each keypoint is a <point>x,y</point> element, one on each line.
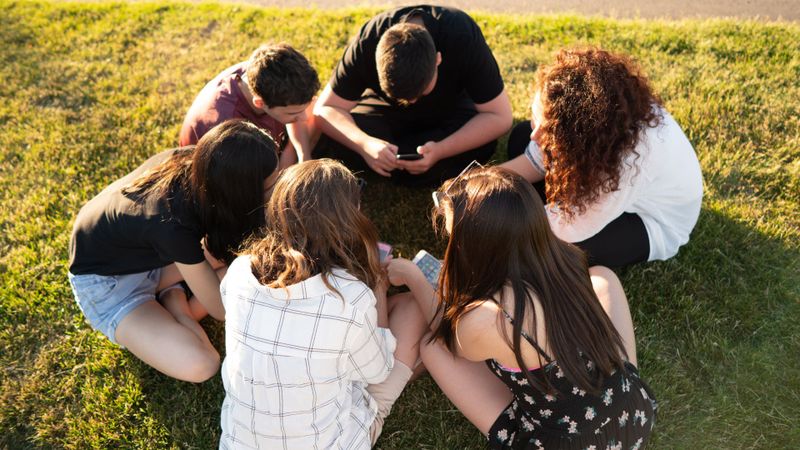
<point>115,234</point>
<point>467,66</point>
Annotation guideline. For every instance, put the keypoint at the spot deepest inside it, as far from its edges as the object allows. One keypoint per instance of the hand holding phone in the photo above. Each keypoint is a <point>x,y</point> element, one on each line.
<point>380,156</point>
<point>384,251</point>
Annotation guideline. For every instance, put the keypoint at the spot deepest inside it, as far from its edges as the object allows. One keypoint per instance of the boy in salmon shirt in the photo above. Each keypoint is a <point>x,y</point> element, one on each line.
<point>274,89</point>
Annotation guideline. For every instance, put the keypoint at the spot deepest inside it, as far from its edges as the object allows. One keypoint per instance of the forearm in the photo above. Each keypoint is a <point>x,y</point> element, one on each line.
<point>479,130</point>
<point>425,296</point>
<point>341,127</point>
<point>211,302</point>
<point>299,140</point>
<point>381,306</point>
<point>288,156</point>
<point>204,282</point>
<point>522,166</point>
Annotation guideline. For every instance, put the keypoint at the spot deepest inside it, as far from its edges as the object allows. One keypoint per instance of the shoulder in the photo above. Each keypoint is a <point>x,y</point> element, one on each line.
<point>223,80</point>
<point>372,29</point>
<point>481,321</point>
<point>455,16</point>
<point>238,275</point>
<point>457,23</point>
<point>478,334</point>
<point>219,94</point>
<point>239,267</point>
<point>354,291</point>
<point>666,134</point>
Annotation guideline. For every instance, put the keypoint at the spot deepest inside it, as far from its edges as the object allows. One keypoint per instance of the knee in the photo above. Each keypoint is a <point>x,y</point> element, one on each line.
<point>428,350</point>
<point>405,306</point>
<point>604,279</point>
<point>408,326</point>
<point>201,367</point>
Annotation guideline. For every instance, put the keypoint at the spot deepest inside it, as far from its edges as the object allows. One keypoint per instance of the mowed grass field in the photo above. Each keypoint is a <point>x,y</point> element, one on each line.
<point>90,90</point>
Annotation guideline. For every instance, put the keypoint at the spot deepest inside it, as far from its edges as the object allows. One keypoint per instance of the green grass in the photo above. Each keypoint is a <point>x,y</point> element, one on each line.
<point>90,90</point>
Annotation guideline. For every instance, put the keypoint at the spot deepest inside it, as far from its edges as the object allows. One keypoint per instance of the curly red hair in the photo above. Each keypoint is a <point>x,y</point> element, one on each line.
<point>595,105</point>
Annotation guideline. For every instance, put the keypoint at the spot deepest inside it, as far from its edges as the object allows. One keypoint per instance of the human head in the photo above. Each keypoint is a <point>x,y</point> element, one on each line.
<point>594,106</point>
<point>315,225</point>
<point>282,81</point>
<point>406,59</point>
<point>499,235</point>
<point>230,166</point>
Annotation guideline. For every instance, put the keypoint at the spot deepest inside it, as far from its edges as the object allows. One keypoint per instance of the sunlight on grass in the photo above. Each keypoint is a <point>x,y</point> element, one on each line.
<point>91,90</point>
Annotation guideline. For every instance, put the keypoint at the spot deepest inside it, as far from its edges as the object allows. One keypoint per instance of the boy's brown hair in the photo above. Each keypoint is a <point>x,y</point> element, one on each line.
<point>406,61</point>
<point>314,224</point>
<point>281,75</point>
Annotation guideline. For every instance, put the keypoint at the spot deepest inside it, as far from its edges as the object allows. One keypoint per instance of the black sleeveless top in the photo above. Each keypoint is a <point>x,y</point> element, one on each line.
<point>621,417</point>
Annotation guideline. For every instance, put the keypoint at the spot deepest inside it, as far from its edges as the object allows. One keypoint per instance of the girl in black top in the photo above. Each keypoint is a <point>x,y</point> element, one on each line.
<point>536,350</point>
<point>179,216</point>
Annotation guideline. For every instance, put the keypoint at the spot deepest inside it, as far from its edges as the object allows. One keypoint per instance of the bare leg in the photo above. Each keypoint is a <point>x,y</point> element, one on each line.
<point>611,295</point>
<point>169,340</point>
<point>408,326</point>
<point>170,275</point>
<point>471,386</point>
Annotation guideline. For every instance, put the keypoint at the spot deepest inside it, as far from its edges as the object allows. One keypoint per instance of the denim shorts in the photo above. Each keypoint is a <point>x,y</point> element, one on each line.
<point>106,299</point>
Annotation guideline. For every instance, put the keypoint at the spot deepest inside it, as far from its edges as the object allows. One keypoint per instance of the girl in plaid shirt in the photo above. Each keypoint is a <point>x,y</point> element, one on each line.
<point>315,353</point>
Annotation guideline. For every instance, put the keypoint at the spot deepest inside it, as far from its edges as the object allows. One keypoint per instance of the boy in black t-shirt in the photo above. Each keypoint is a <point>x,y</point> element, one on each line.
<point>419,82</point>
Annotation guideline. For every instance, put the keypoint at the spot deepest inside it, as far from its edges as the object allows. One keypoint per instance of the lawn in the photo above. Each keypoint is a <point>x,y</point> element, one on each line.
<point>90,90</point>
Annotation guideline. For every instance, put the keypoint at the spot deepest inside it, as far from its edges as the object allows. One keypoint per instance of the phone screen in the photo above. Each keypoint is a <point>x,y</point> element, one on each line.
<point>429,265</point>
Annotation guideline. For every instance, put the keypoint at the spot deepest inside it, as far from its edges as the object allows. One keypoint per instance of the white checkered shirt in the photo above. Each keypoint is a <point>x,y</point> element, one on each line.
<point>298,362</point>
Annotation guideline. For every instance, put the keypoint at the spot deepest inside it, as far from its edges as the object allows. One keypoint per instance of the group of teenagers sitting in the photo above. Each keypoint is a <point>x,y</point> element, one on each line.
<point>255,220</point>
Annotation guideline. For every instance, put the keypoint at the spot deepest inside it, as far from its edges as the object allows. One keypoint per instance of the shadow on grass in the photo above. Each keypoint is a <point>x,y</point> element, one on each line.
<point>714,327</point>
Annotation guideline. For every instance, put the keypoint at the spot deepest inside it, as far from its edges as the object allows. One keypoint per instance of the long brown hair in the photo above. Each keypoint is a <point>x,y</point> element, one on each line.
<point>500,236</point>
<point>596,104</point>
<point>314,226</point>
<point>223,177</point>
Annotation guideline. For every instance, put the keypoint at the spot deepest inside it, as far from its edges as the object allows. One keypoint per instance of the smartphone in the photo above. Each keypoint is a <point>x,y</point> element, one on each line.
<point>408,156</point>
<point>384,251</point>
<point>429,265</point>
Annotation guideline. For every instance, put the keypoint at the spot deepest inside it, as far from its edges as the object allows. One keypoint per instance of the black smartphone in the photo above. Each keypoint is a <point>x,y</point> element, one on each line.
<point>408,156</point>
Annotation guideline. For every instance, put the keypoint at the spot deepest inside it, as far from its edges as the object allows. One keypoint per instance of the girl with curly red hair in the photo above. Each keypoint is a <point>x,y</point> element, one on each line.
<point>619,176</point>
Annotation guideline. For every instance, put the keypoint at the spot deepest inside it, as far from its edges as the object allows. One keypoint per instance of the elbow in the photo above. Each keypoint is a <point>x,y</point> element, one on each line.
<point>321,111</point>
<point>506,119</point>
<point>501,122</point>
<point>318,111</point>
<point>380,376</point>
<point>321,117</point>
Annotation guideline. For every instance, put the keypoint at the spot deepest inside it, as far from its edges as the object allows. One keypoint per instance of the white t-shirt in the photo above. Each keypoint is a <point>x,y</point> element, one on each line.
<point>298,362</point>
<point>663,185</point>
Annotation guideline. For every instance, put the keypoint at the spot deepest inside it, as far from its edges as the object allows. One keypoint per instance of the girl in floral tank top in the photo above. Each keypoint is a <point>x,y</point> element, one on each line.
<point>622,413</point>
<point>511,295</point>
